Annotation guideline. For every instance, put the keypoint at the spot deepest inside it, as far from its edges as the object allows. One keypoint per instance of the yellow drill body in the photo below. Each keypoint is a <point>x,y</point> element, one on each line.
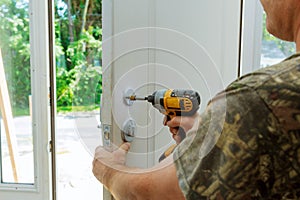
<point>173,103</point>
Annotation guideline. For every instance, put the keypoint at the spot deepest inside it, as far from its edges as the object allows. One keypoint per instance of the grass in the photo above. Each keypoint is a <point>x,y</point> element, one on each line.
<point>66,109</point>
<point>20,112</point>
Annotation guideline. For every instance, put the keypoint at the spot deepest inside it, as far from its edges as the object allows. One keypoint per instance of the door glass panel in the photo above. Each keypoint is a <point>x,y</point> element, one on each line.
<point>274,50</point>
<point>15,94</point>
<point>78,89</point>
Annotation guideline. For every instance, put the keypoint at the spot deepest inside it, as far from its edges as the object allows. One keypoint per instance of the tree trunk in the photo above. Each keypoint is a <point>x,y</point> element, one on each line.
<point>84,16</point>
<point>71,25</point>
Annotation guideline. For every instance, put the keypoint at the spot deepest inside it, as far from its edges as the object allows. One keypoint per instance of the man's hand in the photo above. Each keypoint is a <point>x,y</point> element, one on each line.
<point>135,183</point>
<point>106,164</point>
<point>185,122</point>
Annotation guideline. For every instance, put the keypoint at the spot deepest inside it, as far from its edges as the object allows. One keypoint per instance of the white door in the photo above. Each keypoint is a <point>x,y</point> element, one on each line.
<point>149,45</point>
<point>153,44</point>
<point>25,130</point>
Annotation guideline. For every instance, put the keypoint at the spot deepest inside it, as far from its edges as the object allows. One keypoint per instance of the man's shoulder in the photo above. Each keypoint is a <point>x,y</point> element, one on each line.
<point>284,72</point>
<point>278,87</point>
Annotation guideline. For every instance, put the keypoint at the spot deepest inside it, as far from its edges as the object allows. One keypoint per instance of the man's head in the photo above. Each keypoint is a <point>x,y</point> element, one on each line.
<point>283,18</point>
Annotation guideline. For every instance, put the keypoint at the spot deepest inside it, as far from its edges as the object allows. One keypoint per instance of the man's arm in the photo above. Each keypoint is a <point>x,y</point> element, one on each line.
<point>159,182</point>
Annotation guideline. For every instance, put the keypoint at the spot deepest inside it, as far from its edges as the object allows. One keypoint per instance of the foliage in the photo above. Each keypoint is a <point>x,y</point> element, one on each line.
<point>77,47</point>
<point>14,43</point>
<point>79,86</point>
<point>66,109</point>
<point>78,68</point>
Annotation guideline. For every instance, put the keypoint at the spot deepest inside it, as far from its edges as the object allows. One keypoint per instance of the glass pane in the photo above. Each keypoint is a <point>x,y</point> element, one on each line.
<point>273,49</point>
<point>15,94</point>
<point>78,80</point>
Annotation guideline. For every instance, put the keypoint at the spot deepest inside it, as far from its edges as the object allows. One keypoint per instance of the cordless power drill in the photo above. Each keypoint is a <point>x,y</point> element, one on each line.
<point>177,102</point>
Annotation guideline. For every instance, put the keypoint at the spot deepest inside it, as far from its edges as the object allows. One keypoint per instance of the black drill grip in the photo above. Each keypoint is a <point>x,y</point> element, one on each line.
<point>180,132</point>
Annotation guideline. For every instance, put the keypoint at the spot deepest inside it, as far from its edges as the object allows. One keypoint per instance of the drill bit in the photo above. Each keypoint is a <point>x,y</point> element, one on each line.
<point>135,98</point>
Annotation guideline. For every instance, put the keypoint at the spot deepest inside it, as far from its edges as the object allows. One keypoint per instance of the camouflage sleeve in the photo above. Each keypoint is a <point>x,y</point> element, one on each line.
<point>222,158</point>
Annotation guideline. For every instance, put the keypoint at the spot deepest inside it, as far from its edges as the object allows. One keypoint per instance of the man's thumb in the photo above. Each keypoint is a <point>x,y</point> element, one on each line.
<point>125,146</point>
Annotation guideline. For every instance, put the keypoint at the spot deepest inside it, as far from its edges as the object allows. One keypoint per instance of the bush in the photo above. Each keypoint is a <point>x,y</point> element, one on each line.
<point>82,84</point>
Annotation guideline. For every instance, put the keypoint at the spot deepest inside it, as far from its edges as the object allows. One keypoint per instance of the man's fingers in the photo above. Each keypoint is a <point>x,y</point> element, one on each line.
<point>185,122</point>
<point>100,152</point>
<point>125,146</point>
<point>104,158</point>
<point>174,122</point>
<point>177,138</point>
<point>165,120</point>
<point>119,156</point>
<point>174,131</point>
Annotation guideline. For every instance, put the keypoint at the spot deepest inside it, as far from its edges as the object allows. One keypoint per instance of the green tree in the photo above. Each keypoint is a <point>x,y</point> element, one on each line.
<point>77,45</point>
<point>78,36</point>
<point>14,42</point>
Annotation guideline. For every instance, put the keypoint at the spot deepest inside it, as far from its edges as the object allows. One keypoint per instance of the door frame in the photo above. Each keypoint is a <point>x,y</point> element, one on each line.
<point>251,36</point>
<point>41,120</point>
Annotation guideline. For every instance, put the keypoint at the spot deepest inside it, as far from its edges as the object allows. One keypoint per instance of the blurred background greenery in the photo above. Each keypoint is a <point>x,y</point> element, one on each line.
<point>78,49</point>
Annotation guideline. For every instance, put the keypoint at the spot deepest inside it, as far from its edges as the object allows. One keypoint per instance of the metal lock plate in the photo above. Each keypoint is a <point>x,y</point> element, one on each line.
<point>106,135</point>
<point>128,130</point>
<point>129,92</point>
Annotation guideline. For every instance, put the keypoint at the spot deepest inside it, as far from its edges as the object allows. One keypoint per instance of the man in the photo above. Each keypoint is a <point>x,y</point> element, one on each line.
<point>247,145</point>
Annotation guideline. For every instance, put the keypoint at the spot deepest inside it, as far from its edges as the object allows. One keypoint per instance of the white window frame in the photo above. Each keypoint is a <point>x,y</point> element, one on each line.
<point>39,42</point>
<point>251,36</point>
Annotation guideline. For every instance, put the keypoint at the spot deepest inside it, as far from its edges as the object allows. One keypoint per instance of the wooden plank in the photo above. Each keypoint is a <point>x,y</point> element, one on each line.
<point>6,111</point>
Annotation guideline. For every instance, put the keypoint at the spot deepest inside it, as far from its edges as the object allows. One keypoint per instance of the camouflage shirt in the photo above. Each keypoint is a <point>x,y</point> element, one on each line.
<point>248,142</point>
